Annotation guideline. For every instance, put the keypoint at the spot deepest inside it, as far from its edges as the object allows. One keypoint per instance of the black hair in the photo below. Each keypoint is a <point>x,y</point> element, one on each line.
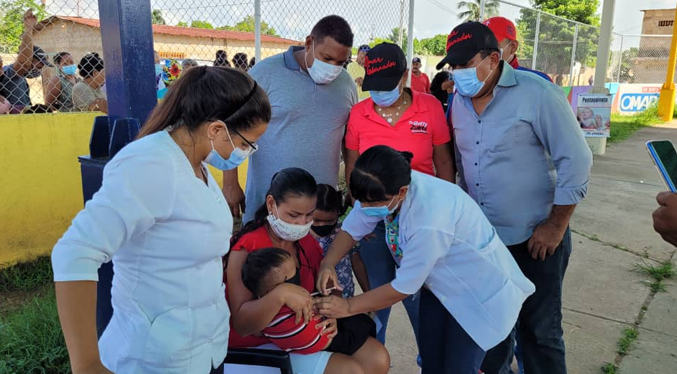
<point>221,58</point>
<point>240,61</point>
<point>89,64</point>
<point>488,51</point>
<point>258,265</point>
<point>252,62</point>
<point>335,27</point>
<point>436,87</point>
<point>329,199</point>
<point>380,172</point>
<point>59,57</point>
<point>290,182</point>
<point>203,94</point>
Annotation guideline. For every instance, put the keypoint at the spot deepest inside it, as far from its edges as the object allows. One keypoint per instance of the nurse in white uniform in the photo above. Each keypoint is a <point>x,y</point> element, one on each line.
<point>162,219</point>
<point>472,289</point>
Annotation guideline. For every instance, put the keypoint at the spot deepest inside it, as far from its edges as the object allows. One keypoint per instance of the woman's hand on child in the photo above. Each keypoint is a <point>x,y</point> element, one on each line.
<point>297,299</point>
<point>332,306</point>
<point>329,327</point>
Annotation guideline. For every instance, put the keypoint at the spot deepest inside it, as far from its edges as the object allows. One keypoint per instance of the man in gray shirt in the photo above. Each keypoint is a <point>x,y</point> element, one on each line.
<point>311,96</point>
<point>28,64</point>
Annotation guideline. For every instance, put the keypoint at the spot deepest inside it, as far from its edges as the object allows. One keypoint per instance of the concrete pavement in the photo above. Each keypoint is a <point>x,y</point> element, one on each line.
<point>603,292</point>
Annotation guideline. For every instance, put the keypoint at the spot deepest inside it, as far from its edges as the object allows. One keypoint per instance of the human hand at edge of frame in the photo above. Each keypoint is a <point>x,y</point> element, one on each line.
<point>665,217</point>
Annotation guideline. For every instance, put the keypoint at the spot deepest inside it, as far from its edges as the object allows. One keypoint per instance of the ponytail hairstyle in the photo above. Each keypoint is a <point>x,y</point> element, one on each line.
<point>206,94</point>
<point>290,182</point>
<point>258,266</point>
<point>329,199</point>
<point>380,172</point>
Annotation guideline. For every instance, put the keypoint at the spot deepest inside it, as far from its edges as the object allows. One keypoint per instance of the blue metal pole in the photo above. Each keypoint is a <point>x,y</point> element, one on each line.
<point>127,36</point>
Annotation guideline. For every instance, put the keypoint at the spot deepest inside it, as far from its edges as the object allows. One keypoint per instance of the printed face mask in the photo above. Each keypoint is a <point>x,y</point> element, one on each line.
<point>287,231</point>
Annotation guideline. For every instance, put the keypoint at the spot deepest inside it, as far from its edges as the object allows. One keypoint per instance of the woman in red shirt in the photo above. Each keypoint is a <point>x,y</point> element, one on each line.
<point>405,120</point>
<point>284,221</point>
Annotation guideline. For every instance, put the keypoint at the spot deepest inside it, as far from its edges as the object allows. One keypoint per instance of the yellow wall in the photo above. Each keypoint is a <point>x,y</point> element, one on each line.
<point>40,182</point>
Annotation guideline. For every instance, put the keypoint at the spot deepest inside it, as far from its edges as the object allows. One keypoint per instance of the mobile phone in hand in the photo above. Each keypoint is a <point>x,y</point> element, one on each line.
<point>664,157</point>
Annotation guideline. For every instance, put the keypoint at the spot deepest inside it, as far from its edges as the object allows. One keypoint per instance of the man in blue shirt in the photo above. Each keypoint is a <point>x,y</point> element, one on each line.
<point>521,155</point>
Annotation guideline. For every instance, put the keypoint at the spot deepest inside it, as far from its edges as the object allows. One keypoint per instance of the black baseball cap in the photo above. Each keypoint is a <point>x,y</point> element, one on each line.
<point>465,41</point>
<point>364,48</point>
<point>415,60</point>
<point>384,65</point>
<point>39,54</point>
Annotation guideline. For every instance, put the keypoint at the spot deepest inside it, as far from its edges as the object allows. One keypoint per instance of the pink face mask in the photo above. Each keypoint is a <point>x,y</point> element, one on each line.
<point>5,106</point>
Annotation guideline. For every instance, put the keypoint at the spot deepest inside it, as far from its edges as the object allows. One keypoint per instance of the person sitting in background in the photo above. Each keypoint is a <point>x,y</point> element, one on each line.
<point>221,59</point>
<point>28,65</point>
<point>437,90</point>
<point>419,80</point>
<point>326,226</point>
<point>59,88</point>
<point>87,95</point>
<point>188,63</point>
<point>665,217</point>
<point>159,72</point>
<point>268,268</point>
<point>240,61</point>
<point>361,53</point>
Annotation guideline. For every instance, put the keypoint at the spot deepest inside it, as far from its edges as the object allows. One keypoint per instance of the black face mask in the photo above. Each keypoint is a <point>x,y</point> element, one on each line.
<point>323,230</point>
<point>296,279</point>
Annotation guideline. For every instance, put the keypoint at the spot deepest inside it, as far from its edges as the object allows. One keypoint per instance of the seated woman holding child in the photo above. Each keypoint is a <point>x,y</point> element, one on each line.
<point>280,286</point>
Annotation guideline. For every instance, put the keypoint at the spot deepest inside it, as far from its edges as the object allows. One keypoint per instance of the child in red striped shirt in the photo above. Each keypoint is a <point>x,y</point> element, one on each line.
<point>267,268</point>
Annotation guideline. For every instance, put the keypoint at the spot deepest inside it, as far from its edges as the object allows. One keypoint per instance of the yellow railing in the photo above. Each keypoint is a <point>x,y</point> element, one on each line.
<point>40,181</point>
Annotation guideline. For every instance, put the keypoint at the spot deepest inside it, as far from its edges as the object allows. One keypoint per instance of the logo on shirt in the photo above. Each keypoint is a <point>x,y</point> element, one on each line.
<point>419,127</point>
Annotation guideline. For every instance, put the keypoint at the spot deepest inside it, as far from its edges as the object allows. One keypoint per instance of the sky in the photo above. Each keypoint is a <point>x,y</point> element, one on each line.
<point>433,17</point>
<point>369,18</point>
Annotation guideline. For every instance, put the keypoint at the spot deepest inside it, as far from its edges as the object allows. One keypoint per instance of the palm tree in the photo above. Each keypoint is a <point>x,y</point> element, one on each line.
<point>472,9</point>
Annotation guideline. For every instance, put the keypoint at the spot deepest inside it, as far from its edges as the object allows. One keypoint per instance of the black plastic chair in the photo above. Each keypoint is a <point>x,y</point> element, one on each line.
<point>260,357</point>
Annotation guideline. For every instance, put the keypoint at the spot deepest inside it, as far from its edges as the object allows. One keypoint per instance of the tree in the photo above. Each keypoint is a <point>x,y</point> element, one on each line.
<point>471,9</point>
<point>156,17</point>
<point>248,24</point>
<point>437,45</point>
<point>555,40</point>
<point>202,25</point>
<point>11,23</point>
<point>626,74</point>
<point>182,24</point>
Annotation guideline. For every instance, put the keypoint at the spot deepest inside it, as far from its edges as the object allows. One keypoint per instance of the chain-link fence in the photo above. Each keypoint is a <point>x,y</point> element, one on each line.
<point>197,32</point>
<point>639,58</point>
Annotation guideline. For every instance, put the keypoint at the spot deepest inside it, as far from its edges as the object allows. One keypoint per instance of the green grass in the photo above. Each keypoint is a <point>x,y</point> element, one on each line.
<point>629,336</point>
<point>26,276</point>
<point>622,126</point>
<point>609,368</point>
<point>31,338</point>
<point>664,270</point>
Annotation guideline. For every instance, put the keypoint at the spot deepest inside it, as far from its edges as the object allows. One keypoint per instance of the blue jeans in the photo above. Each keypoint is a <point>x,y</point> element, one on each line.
<point>381,270</point>
<point>445,348</point>
<point>539,327</point>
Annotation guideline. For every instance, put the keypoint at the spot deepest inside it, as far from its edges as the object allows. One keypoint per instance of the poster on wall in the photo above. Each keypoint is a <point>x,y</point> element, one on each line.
<point>594,114</point>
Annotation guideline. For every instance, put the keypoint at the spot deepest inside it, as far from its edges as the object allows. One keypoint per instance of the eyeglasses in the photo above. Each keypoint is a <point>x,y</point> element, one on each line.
<point>253,146</point>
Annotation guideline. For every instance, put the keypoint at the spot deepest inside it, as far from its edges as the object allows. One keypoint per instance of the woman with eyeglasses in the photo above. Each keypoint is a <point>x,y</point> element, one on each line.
<point>162,219</point>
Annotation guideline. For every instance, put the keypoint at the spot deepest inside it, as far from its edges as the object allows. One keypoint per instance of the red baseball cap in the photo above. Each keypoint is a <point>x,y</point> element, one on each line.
<point>502,27</point>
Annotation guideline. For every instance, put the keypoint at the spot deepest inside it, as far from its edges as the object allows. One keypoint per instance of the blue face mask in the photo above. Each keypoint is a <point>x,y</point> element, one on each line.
<point>380,211</point>
<point>69,69</point>
<point>385,98</point>
<point>158,69</point>
<point>466,81</point>
<point>237,157</point>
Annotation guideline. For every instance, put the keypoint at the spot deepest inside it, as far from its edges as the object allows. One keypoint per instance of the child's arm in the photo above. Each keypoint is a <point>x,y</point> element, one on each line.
<point>360,271</point>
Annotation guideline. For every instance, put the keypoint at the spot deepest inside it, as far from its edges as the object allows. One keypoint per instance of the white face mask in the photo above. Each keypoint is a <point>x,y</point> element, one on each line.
<point>322,72</point>
<point>287,231</point>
